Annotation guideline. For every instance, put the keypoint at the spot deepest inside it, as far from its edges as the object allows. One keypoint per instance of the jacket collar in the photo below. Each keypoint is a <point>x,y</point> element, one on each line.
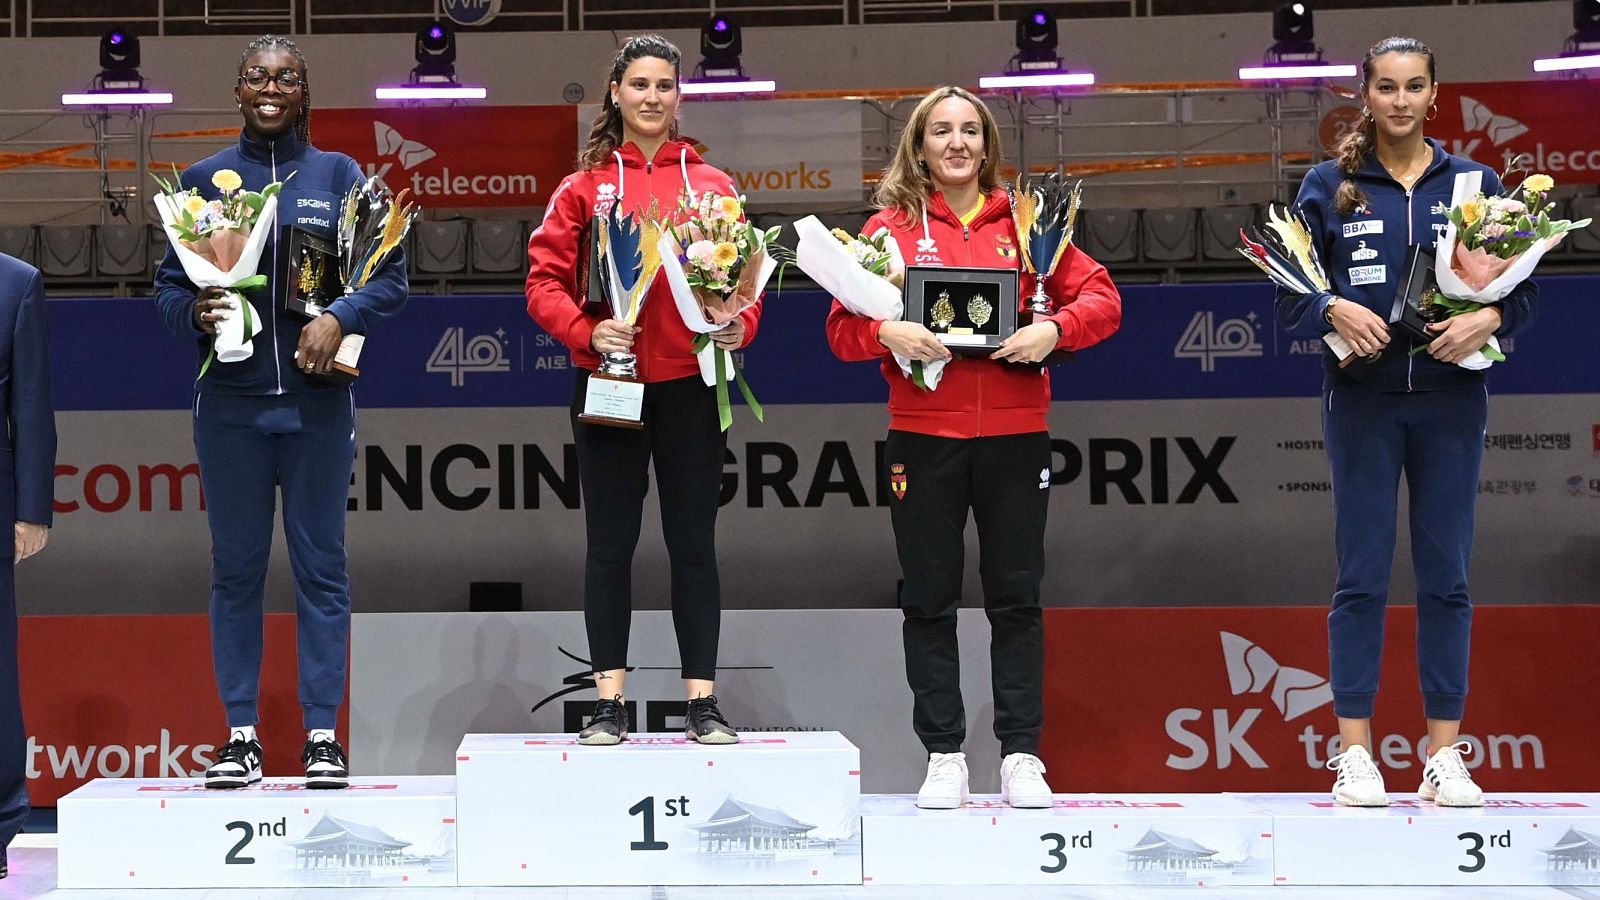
<point>264,152</point>
<point>669,153</point>
<point>995,205</point>
<point>1371,168</point>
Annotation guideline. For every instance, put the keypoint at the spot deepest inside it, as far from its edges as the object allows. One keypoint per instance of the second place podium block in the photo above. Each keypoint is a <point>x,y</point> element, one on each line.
<point>776,808</point>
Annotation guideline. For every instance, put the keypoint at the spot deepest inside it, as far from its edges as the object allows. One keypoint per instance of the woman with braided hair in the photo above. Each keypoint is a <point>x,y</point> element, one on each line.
<point>1405,409</point>
<point>268,423</point>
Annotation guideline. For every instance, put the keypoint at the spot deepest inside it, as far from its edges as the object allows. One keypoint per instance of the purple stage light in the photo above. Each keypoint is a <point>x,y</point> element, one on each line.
<point>1037,80</point>
<point>117,98</point>
<point>1567,63</point>
<point>732,86</point>
<point>117,37</point>
<point>432,92</point>
<point>719,25</point>
<point>1289,73</point>
<point>1039,18</point>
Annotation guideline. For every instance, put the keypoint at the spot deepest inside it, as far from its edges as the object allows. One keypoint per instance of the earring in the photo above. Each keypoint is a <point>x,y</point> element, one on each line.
<point>1433,112</point>
<point>1366,113</point>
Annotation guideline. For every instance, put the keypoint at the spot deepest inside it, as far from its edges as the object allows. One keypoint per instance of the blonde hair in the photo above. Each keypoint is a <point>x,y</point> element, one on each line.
<point>906,185</point>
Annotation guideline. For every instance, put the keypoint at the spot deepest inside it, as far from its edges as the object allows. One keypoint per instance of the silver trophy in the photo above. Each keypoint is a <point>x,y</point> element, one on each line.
<point>615,396</point>
<point>1046,213</point>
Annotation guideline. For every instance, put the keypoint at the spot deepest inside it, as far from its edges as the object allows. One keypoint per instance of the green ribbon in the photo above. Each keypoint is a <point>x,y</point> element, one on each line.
<point>723,363</point>
<point>917,377</point>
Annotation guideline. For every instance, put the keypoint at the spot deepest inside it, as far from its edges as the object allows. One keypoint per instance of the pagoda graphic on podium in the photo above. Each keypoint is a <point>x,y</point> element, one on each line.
<point>340,851</point>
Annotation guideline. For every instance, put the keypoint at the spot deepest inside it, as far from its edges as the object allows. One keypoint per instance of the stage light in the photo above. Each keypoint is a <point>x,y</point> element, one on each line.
<point>119,61</point>
<point>1037,38</point>
<point>435,52</point>
<point>728,86</point>
<point>1290,72</point>
<point>117,98</point>
<point>431,91</point>
<point>1581,51</point>
<point>1037,80</point>
<point>721,44</point>
<point>1292,24</point>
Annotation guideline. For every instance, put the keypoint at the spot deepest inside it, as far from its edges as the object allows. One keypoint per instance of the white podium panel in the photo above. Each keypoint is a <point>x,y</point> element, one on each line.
<point>1101,839</point>
<point>1515,839</point>
<point>173,833</point>
<point>775,808</point>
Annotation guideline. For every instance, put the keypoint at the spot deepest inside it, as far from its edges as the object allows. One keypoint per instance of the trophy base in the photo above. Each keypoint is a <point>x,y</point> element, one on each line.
<point>613,400</point>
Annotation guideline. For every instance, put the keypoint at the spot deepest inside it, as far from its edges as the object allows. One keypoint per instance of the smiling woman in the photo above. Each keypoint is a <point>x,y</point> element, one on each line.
<point>267,423</point>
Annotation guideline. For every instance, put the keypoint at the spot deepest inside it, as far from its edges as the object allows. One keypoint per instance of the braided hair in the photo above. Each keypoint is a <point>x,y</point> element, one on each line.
<point>605,135</point>
<point>302,125</point>
<point>1352,150</point>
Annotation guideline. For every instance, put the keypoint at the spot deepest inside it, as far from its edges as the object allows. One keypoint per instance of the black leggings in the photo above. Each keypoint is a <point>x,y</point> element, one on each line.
<point>683,436</point>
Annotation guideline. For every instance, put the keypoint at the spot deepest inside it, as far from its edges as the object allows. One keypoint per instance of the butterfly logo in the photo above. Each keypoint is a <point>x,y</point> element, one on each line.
<point>1251,670</point>
<point>392,143</point>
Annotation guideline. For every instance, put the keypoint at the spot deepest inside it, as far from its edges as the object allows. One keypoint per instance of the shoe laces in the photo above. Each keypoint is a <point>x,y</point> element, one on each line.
<point>608,711</point>
<point>322,751</point>
<point>237,750</point>
<point>1354,764</point>
<point>1447,764</point>
<point>946,766</point>
<point>704,709</point>
<point>1024,765</point>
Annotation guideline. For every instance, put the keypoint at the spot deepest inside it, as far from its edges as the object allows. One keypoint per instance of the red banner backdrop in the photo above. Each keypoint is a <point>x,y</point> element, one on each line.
<point>1236,699</point>
<point>459,156</point>
<point>110,696</point>
<point>1495,121</point>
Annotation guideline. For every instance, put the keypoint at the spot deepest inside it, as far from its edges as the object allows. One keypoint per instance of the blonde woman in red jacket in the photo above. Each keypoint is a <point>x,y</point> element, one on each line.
<point>633,157</point>
<point>977,442</point>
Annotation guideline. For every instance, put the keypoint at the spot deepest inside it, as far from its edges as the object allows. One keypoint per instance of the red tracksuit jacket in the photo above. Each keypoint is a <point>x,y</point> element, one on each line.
<point>663,342</point>
<point>979,397</point>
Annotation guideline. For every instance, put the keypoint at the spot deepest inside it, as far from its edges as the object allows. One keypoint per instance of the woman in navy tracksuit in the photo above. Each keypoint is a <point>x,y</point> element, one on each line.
<point>266,422</point>
<point>1398,411</point>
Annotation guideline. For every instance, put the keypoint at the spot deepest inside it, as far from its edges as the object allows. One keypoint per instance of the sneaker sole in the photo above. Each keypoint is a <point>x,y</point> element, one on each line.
<point>602,740</point>
<point>327,782</point>
<point>1028,802</point>
<point>1346,801</point>
<point>941,803</point>
<point>715,737</point>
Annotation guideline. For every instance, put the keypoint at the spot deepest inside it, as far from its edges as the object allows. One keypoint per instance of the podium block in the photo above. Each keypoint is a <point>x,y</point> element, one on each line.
<point>1514,839</point>
<point>776,808</point>
<point>173,833</point>
<point>1099,839</point>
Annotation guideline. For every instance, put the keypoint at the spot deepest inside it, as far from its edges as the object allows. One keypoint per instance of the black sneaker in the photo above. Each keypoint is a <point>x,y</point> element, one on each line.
<point>5,867</point>
<point>238,764</point>
<point>609,725</point>
<point>326,767</point>
<point>704,723</point>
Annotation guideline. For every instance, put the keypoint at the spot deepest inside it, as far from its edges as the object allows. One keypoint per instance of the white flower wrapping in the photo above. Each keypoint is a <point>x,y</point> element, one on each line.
<point>689,307</point>
<point>831,265</point>
<point>1451,285</point>
<point>232,344</point>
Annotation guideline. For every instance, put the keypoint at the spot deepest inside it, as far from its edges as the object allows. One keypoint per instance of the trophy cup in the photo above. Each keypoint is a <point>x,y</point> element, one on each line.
<point>1046,213</point>
<point>630,261</point>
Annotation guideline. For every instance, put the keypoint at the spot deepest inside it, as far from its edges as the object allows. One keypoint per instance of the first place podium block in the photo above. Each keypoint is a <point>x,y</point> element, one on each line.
<point>1099,839</point>
<point>1514,839</point>
<point>174,833</point>
<point>775,808</point>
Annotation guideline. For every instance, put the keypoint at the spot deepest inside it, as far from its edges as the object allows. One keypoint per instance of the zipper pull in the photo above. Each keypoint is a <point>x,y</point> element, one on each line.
<point>649,167</point>
<point>966,233</point>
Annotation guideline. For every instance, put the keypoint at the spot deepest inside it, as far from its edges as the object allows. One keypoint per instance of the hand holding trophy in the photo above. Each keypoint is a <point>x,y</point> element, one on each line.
<point>629,263</point>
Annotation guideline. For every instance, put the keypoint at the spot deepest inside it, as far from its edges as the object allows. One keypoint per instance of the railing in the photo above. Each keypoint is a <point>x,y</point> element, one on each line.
<point>43,18</point>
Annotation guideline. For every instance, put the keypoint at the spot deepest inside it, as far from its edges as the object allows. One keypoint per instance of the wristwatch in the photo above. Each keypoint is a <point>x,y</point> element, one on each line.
<point>1327,311</point>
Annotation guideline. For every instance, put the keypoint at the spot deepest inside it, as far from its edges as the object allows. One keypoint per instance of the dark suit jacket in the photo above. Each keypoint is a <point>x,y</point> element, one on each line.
<point>28,453</point>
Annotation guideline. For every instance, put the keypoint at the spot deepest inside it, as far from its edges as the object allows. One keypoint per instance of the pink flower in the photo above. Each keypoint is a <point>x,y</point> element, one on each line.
<point>700,253</point>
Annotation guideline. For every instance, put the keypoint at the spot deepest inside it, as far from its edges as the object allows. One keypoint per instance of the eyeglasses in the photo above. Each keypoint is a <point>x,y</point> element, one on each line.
<point>288,80</point>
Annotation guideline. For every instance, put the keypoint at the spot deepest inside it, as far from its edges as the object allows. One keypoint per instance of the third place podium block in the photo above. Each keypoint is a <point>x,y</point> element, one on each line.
<point>1101,839</point>
<point>1514,839</point>
<point>657,809</point>
<point>173,833</point>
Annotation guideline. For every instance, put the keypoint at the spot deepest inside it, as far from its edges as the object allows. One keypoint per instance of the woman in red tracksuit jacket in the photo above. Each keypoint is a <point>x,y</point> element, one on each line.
<point>977,441</point>
<point>633,157</point>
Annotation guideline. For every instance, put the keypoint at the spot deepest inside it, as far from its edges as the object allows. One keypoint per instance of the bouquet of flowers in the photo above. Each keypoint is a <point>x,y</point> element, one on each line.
<point>865,273</point>
<point>717,264</point>
<point>219,245</point>
<point>1491,245</point>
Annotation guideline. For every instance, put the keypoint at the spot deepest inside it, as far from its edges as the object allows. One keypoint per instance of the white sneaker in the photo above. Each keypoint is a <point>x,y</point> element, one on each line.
<point>946,784</point>
<point>1446,781</point>
<point>1022,782</point>
<point>1359,782</point>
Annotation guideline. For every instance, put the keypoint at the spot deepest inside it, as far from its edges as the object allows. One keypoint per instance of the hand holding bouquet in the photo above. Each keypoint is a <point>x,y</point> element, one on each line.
<point>219,244</point>
<point>717,264</point>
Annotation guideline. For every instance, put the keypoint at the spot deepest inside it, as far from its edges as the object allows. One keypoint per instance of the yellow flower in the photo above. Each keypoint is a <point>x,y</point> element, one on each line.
<point>226,180</point>
<point>193,204</point>
<point>724,254</point>
<point>843,236</point>
<point>729,206</point>
<point>1472,212</point>
<point>1538,184</point>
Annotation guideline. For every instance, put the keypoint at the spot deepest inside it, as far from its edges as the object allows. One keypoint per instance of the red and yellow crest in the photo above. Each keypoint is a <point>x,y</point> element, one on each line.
<point>1004,247</point>
<point>897,480</point>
